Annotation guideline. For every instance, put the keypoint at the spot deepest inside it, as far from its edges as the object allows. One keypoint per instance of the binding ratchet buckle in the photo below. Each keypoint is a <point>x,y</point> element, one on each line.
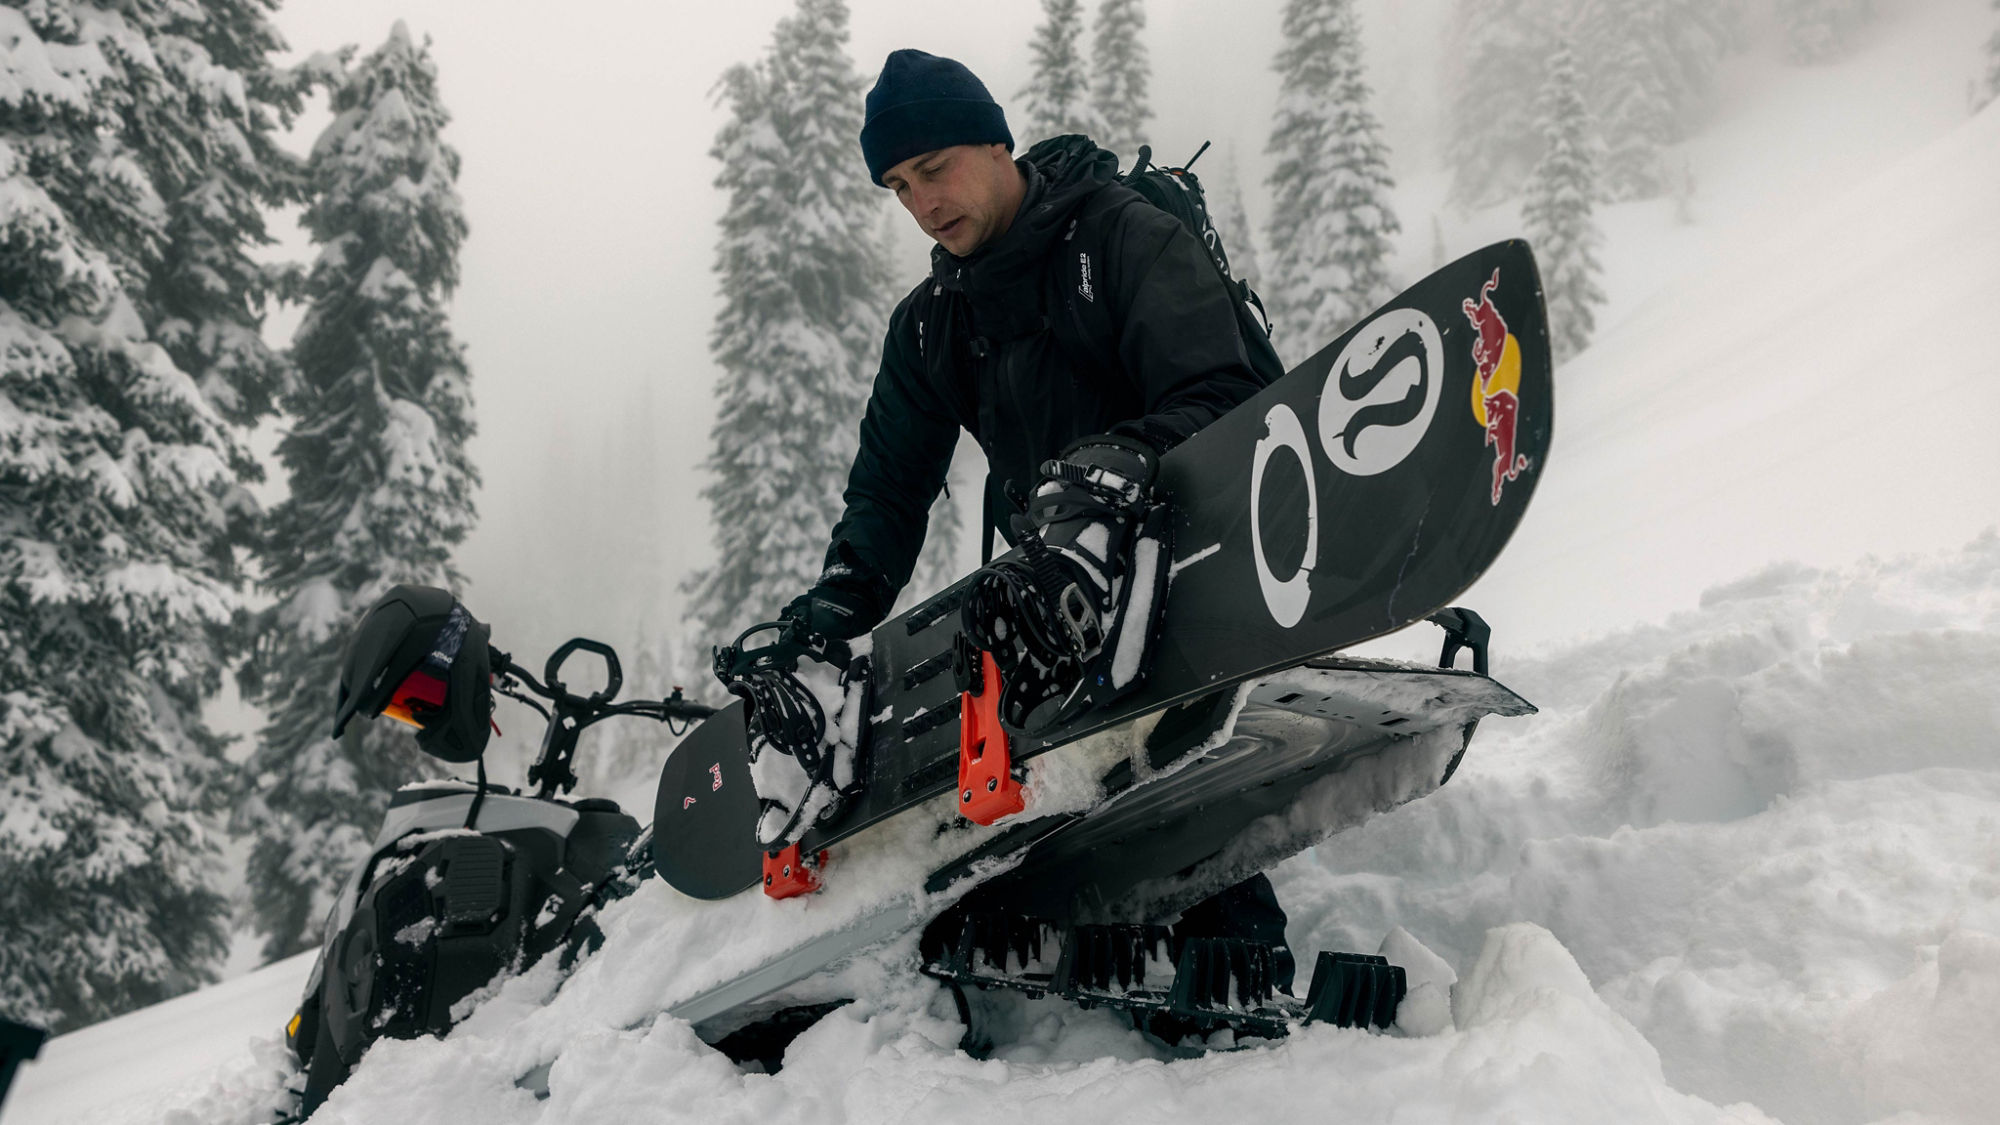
<point>987,788</point>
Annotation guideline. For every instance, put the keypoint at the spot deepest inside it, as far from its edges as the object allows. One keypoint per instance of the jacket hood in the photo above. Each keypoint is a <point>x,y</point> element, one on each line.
<point>1062,172</point>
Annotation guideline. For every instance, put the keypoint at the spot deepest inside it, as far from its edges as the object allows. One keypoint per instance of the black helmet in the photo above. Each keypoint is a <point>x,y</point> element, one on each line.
<point>419,657</point>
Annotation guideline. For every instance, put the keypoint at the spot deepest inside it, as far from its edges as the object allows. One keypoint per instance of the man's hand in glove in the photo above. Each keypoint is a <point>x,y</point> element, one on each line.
<point>831,610</point>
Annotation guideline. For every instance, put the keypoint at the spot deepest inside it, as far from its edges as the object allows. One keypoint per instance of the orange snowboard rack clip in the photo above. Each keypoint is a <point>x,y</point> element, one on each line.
<point>788,873</point>
<point>987,790</point>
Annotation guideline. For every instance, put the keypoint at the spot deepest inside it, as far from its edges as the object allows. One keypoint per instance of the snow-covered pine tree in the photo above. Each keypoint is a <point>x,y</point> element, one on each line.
<point>1497,46</point>
<point>136,145</point>
<point>1330,224</point>
<point>1681,46</point>
<point>381,487</point>
<point>1821,30</point>
<point>1562,194</point>
<point>1057,98</point>
<point>1636,121</point>
<point>1992,64</point>
<point>1649,61</point>
<point>805,298</point>
<point>1123,75</point>
<point>1225,195</point>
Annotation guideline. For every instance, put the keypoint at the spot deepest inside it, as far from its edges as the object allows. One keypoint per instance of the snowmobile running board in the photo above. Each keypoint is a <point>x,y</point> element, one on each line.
<point>1172,986</point>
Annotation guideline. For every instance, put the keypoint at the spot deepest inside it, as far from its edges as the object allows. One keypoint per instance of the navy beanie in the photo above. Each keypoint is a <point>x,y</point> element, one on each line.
<point>923,103</point>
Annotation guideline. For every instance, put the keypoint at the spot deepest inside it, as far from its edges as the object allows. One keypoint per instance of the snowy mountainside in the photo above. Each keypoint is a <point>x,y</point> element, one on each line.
<point>1815,392</point>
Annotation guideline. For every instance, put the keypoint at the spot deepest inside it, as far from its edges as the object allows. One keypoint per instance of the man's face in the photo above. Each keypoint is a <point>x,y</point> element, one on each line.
<point>964,196</point>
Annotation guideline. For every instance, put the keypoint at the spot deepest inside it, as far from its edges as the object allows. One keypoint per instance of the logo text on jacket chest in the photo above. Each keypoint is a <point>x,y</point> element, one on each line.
<point>1083,288</point>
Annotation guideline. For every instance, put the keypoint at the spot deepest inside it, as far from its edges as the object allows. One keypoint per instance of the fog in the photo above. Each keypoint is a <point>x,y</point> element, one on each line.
<point>587,294</point>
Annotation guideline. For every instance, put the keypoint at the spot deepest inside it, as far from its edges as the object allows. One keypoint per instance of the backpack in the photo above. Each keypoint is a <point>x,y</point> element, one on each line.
<point>1178,192</point>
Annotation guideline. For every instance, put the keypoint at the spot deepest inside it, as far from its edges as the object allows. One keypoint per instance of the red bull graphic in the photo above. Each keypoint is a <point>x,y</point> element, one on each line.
<point>1496,394</point>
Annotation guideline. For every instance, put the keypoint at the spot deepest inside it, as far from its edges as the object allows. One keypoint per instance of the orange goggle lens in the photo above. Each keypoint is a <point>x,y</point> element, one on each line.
<point>421,688</point>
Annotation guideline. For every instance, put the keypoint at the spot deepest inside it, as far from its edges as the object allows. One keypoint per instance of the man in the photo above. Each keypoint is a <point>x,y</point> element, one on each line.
<point>1066,321</point>
<point>987,343</point>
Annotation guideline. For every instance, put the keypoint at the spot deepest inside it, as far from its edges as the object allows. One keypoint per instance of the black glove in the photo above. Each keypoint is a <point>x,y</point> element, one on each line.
<point>832,609</point>
<point>848,600</point>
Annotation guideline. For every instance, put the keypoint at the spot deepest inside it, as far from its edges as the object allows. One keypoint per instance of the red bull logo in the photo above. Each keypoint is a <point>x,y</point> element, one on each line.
<point>1496,394</point>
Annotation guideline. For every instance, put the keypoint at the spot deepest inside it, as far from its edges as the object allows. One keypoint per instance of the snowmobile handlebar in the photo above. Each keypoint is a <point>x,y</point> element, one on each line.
<point>568,713</point>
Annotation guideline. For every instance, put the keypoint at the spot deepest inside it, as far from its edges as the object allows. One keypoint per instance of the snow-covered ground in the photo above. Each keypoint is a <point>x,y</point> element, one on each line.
<point>1745,865</point>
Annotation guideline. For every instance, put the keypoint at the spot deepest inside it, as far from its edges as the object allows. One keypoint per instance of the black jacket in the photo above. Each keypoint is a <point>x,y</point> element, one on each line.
<point>1094,312</point>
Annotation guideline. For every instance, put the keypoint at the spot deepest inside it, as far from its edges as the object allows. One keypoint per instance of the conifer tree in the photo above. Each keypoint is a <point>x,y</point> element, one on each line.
<point>1123,74</point>
<point>1330,224</point>
<point>1233,223</point>
<point>1637,120</point>
<point>381,487</point>
<point>1821,30</point>
<point>1490,136</point>
<point>805,301</point>
<point>1992,64</point>
<point>137,143</point>
<point>1651,65</point>
<point>1561,196</point>
<point>1057,98</point>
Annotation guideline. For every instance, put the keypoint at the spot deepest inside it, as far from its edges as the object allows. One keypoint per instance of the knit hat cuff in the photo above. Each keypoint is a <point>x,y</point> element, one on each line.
<point>914,128</point>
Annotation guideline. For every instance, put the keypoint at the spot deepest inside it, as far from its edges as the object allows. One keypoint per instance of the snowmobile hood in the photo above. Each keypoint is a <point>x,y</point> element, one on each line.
<point>1062,173</point>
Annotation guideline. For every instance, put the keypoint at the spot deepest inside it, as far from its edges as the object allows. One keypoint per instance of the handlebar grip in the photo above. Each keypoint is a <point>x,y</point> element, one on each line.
<point>615,678</point>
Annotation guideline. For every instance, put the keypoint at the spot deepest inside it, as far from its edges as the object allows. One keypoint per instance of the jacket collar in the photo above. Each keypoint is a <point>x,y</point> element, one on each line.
<point>1061,174</point>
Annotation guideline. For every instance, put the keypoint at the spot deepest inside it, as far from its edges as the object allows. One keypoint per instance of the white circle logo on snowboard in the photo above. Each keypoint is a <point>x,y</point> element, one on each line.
<point>1382,393</point>
<point>1285,599</point>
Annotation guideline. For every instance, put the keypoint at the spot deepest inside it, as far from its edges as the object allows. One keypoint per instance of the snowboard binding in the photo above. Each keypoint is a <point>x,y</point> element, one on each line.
<point>803,694</point>
<point>1071,623</point>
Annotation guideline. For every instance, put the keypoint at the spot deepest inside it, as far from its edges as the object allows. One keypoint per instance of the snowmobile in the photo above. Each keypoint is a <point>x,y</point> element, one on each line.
<point>466,880</point>
<point>1246,740</point>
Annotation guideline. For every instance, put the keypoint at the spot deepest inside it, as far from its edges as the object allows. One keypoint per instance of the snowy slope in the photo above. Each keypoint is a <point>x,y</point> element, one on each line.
<point>1818,394</point>
<point>170,1054</point>
<point>1745,865</point>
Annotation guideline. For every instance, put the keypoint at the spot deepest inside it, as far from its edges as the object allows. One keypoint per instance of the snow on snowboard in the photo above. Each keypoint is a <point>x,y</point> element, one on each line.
<point>1357,495</point>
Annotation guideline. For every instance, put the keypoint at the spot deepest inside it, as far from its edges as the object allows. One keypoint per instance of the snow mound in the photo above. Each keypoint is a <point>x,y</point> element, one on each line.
<point>1768,830</point>
<point>1533,1042</point>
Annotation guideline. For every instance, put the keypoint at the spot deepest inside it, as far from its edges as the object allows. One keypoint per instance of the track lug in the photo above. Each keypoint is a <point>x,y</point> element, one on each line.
<point>1355,990</point>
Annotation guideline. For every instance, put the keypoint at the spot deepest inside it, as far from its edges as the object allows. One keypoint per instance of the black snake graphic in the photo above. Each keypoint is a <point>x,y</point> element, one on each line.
<point>1410,345</point>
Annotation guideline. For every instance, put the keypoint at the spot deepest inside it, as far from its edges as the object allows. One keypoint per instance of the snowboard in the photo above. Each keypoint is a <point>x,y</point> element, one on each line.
<point>1356,495</point>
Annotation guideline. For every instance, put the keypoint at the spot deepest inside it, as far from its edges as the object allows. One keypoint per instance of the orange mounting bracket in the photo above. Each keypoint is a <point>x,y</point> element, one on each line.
<point>789,873</point>
<point>987,790</point>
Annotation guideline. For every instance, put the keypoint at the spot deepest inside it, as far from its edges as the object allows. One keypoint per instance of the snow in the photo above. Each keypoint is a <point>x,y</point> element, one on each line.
<point>170,1055</point>
<point>1744,866</point>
